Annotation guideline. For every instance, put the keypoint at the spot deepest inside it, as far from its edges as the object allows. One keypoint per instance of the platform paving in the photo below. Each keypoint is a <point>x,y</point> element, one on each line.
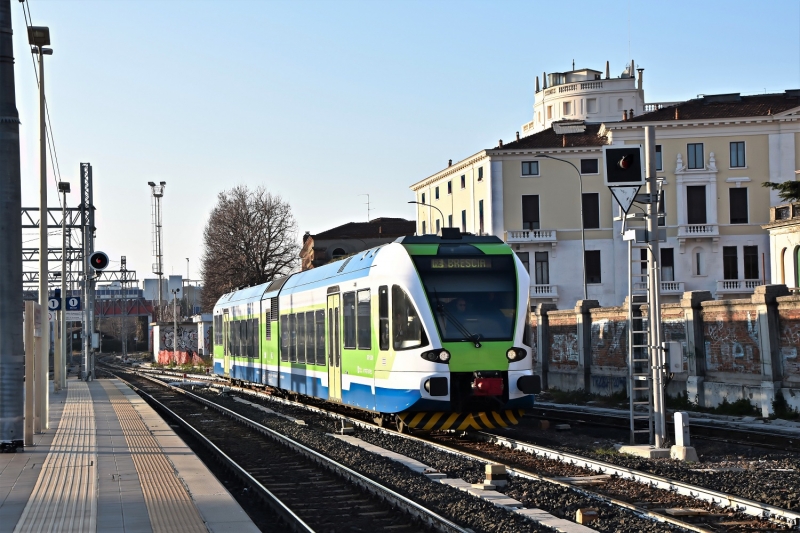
<point>111,464</point>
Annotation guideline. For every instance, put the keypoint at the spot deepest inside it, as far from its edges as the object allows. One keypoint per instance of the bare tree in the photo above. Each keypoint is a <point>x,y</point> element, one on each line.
<point>250,238</point>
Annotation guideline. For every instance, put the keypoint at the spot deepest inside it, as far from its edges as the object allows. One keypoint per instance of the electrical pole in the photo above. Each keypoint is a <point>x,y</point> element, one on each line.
<point>12,355</point>
<point>87,220</point>
<point>654,311</point>
<point>63,187</point>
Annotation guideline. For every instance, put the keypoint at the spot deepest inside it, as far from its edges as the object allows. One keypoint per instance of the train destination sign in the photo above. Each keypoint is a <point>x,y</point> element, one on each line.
<point>463,263</point>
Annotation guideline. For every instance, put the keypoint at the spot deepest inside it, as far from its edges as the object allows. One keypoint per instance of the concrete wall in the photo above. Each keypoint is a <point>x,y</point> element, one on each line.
<point>732,349</point>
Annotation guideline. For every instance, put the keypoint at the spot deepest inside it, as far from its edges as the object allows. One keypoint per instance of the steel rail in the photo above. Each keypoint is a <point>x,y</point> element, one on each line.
<point>750,507</point>
<point>412,508</point>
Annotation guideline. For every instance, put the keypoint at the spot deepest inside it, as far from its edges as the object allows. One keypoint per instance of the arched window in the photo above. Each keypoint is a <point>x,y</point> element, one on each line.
<point>797,266</point>
<point>782,271</point>
<point>619,104</point>
<point>337,253</point>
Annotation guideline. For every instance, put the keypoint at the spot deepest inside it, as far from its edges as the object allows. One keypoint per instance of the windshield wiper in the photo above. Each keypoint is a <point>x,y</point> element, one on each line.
<point>475,339</point>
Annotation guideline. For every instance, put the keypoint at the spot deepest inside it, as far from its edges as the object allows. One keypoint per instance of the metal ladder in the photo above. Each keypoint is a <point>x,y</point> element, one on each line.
<point>640,380</point>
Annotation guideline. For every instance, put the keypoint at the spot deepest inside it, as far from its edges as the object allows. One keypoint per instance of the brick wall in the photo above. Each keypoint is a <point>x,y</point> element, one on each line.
<point>731,333</point>
<point>789,336</point>
<point>673,327</point>
<point>563,337</point>
<point>610,337</point>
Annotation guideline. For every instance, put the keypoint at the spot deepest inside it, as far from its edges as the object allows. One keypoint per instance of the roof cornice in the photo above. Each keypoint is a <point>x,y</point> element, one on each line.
<point>453,169</point>
<point>727,121</point>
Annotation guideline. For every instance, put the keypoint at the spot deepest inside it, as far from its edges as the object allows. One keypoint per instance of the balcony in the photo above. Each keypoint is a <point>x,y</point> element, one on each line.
<point>698,231</point>
<point>531,236</point>
<point>738,286</point>
<point>544,291</point>
<point>667,288</point>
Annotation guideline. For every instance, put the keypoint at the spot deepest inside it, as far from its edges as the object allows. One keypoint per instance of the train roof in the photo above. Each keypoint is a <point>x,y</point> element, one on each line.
<point>352,267</point>
<point>450,237</point>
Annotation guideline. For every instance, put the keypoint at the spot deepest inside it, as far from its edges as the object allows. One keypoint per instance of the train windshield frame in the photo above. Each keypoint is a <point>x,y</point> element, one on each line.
<point>473,297</point>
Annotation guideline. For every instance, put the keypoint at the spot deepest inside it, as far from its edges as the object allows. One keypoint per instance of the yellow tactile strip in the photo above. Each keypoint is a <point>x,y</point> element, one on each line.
<point>169,505</point>
<point>65,496</point>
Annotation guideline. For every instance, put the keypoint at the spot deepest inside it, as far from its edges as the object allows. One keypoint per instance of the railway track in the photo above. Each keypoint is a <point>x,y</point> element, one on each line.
<point>310,492</point>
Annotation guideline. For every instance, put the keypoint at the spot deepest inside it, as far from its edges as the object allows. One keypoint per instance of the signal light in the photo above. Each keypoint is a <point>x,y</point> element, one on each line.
<point>625,162</point>
<point>98,261</point>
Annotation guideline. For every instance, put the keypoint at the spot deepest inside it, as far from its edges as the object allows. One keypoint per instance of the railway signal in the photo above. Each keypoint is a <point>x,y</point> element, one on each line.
<point>98,261</point>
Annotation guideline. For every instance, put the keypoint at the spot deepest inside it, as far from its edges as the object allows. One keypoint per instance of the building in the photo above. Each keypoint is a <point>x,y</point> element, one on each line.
<point>712,153</point>
<point>351,238</point>
<point>784,244</point>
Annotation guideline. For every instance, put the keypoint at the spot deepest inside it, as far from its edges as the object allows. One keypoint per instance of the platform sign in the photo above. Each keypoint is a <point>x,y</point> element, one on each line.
<point>54,303</point>
<point>73,316</point>
<point>73,303</point>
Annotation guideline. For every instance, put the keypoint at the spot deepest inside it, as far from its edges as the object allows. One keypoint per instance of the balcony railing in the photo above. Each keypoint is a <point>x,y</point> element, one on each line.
<point>544,291</point>
<point>655,106</point>
<point>531,235</point>
<point>667,287</point>
<point>698,230</point>
<point>738,285</point>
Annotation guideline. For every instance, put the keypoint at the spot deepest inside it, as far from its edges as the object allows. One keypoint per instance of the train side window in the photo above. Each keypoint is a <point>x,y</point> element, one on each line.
<point>285,338</point>
<point>237,336</point>
<point>301,338</point>
<point>383,317</point>
<point>364,324</point>
<point>320,319</point>
<point>292,338</point>
<point>407,328</point>
<point>243,338</point>
<point>311,339</point>
<point>349,310</point>
<point>254,336</point>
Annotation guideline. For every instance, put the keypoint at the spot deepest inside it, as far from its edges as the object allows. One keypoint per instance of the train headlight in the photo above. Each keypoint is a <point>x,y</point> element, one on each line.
<point>516,354</point>
<point>444,356</point>
<point>436,356</point>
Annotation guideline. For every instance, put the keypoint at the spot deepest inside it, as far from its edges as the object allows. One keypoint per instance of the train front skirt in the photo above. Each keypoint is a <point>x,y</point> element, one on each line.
<point>430,421</point>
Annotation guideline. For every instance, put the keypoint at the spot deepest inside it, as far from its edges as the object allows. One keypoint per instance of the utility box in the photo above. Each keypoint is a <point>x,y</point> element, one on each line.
<point>95,340</point>
<point>674,356</point>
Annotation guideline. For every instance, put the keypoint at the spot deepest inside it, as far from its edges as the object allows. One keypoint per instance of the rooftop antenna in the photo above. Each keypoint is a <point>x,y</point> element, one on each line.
<point>573,64</point>
<point>368,207</point>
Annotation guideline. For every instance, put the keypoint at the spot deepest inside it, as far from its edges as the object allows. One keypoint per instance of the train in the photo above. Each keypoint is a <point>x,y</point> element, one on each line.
<point>429,332</point>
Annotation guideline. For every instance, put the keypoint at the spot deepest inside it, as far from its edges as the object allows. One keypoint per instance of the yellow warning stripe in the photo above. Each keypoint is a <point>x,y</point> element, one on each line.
<point>438,420</point>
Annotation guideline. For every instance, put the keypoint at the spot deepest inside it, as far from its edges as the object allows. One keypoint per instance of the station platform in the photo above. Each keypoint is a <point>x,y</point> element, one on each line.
<point>110,463</point>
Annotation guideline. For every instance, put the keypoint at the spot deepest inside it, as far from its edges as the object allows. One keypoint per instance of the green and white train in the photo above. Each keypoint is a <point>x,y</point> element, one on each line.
<point>429,332</point>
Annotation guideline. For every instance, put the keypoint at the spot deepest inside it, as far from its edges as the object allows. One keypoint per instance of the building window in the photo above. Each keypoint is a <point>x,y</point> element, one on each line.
<point>750,262</point>
<point>738,203</point>
<point>542,267</point>
<point>667,264</point>
<point>449,221</point>
<point>567,108</point>
<point>524,257</point>
<point>591,105</point>
<point>438,223</point>
<point>592,266</point>
<point>696,204</point>
<point>423,198</point>
<point>591,210</point>
<point>463,182</point>
<point>619,104</point>
<point>530,211</point>
<point>730,263</point>
<point>695,155</point>
<point>480,173</point>
<point>450,187</point>
<point>659,161</point>
<point>549,112</point>
<point>480,217</point>
<point>436,193</point>
<point>589,166</point>
<point>697,265</point>
<point>530,168</point>
<point>737,154</point>
<point>464,221</point>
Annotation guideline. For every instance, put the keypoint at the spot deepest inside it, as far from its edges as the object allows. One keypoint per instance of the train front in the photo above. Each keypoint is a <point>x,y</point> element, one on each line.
<point>477,293</point>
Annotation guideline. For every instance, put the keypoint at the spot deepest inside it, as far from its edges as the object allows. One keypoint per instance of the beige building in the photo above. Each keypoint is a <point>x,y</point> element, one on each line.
<point>784,244</point>
<point>713,154</point>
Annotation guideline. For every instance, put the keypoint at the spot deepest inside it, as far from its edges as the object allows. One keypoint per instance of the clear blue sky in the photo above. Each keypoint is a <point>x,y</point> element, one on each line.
<point>321,101</point>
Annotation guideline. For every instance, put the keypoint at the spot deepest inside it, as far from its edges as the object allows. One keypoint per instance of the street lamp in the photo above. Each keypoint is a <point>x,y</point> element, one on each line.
<point>429,205</point>
<point>583,227</point>
<point>158,269</point>
<point>63,188</point>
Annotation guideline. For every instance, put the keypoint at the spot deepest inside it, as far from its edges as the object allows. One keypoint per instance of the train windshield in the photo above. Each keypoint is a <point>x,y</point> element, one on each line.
<point>473,298</point>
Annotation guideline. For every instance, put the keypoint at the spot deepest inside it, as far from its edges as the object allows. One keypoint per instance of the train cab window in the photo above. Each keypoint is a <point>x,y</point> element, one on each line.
<point>320,320</point>
<point>293,338</point>
<point>383,317</point>
<point>364,322</point>
<point>407,331</point>
<point>285,338</point>
<point>349,311</point>
<point>311,339</point>
<point>301,338</point>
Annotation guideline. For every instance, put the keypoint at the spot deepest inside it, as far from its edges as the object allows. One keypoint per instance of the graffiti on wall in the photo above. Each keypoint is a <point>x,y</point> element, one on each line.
<point>534,341</point>
<point>564,348</point>
<point>609,384</point>
<point>731,342</point>
<point>610,342</point>
<point>789,323</point>
<point>181,348</point>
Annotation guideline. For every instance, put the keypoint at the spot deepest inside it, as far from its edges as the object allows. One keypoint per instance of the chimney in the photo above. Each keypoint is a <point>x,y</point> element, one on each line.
<point>449,162</point>
<point>607,71</point>
<point>564,141</point>
<point>517,135</point>
<point>677,117</point>
<point>544,81</point>
<point>500,143</point>
<point>640,83</point>
<point>630,114</point>
<point>633,67</point>
<point>624,116</point>
<point>537,84</point>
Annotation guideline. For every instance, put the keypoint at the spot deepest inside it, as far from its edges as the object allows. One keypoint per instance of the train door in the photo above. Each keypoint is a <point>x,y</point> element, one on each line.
<point>334,352</point>
<point>225,345</point>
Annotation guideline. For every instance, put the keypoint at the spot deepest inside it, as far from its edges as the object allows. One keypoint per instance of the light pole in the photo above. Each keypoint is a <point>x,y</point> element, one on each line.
<point>63,188</point>
<point>39,37</point>
<point>429,205</point>
<point>158,267</point>
<point>583,227</point>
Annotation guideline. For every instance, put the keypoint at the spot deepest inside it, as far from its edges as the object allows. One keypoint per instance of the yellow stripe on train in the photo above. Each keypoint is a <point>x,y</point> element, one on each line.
<point>432,421</point>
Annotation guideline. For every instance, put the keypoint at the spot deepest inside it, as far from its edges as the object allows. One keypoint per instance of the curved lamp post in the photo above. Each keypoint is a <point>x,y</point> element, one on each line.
<point>583,228</point>
<point>429,205</point>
